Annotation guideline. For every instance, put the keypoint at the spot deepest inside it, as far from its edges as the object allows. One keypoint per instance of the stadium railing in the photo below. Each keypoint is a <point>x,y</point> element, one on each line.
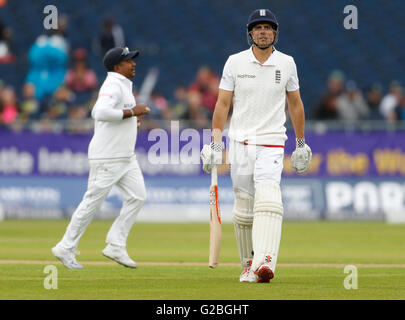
<point>87,125</point>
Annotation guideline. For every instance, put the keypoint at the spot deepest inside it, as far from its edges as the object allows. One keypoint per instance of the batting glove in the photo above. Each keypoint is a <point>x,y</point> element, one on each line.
<point>301,157</point>
<point>211,155</point>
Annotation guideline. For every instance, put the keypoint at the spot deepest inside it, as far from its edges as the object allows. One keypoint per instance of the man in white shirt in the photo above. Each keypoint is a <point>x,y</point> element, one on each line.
<point>390,101</point>
<point>112,162</point>
<point>258,81</point>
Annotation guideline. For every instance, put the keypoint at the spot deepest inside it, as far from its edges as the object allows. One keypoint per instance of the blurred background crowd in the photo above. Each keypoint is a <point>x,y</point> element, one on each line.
<point>61,85</point>
<point>57,77</point>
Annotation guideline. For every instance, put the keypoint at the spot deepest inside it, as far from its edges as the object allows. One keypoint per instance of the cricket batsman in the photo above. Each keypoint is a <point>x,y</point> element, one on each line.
<point>258,82</point>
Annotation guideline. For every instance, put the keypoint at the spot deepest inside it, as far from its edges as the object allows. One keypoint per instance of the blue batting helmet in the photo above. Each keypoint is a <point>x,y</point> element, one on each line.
<point>262,16</point>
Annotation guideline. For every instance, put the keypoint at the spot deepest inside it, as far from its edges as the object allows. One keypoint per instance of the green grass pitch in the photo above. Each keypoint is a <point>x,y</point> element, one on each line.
<point>173,263</point>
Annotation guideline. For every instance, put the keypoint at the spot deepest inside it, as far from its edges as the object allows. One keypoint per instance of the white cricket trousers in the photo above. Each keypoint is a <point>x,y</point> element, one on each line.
<point>128,178</point>
<point>251,164</point>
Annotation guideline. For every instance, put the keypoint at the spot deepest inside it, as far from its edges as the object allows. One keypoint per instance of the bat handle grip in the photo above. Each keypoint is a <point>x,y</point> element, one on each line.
<point>214,176</point>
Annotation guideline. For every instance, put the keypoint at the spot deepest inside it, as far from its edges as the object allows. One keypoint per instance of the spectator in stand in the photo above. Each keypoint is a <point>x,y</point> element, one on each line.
<point>373,99</point>
<point>351,105</point>
<point>6,45</point>
<point>400,109</point>
<point>82,82</point>
<point>198,116</point>
<point>159,111</point>
<point>48,61</point>
<point>159,106</point>
<point>111,36</point>
<point>206,84</point>
<point>8,106</point>
<point>179,106</point>
<point>390,101</point>
<point>59,105</point>
<point>212,92</point>
<point>30,108</point>
<point>327,107</point>
<point>81,78</point>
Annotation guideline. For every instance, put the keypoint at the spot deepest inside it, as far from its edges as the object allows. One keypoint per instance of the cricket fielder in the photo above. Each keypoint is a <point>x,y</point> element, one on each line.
<point>112,162</point>
<point>258,81</point>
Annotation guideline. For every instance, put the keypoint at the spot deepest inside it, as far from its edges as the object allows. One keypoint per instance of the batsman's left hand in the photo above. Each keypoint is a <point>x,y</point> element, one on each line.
<point>301,158</point>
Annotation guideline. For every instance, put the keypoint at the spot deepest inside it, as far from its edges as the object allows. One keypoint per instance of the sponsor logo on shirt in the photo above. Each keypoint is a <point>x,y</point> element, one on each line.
<point>243,76</point>
<point>105,95</point>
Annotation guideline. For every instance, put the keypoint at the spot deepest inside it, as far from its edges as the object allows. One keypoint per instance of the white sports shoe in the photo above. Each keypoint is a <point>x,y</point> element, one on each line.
<point>264,273</point>
<point>67,257</point>
<point>120,255</point>
<point>247,275</point>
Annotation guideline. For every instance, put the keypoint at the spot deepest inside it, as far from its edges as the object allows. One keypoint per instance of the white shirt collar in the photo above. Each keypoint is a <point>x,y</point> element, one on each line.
<point>271,61</point>
<point>119,76</point>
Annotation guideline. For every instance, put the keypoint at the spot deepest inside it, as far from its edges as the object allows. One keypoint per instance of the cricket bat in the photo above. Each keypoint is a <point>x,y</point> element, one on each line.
<point>215,221</point>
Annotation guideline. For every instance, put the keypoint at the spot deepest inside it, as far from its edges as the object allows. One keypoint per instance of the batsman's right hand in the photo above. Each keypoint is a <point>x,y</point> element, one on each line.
<point>211,155</point>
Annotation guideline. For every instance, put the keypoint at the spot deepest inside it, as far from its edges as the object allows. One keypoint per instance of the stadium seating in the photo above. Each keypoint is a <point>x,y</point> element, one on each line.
<point>179,36</point>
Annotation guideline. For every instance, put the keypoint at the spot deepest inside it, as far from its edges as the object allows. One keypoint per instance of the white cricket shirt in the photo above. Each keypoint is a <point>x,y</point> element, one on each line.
<point>114,138</point>
<point>259,96</point>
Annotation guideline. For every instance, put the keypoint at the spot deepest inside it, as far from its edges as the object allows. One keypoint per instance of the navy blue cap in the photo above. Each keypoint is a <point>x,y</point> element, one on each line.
<point>262,16</point>
<point>116,55</point>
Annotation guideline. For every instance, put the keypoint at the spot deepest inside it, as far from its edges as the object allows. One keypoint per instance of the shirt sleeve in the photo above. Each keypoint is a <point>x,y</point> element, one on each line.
<point>227,80</point>
<point>293,82</point>
<point>108,98</point>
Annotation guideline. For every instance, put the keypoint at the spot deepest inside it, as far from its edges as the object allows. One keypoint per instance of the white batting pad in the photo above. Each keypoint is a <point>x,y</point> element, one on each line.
<point>243,220</point>
<point>266,235</point>
<point>267,223</point>
<point>268,197</point>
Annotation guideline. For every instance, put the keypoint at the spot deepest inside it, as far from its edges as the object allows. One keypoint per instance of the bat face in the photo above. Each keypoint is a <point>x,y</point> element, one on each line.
<point>215,227</point>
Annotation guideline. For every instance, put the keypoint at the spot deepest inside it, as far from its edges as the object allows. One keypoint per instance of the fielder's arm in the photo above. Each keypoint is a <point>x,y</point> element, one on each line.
<point>109,96</point>
<point>221,114</point>
<point>297,113</point>
<point>138,110</point>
